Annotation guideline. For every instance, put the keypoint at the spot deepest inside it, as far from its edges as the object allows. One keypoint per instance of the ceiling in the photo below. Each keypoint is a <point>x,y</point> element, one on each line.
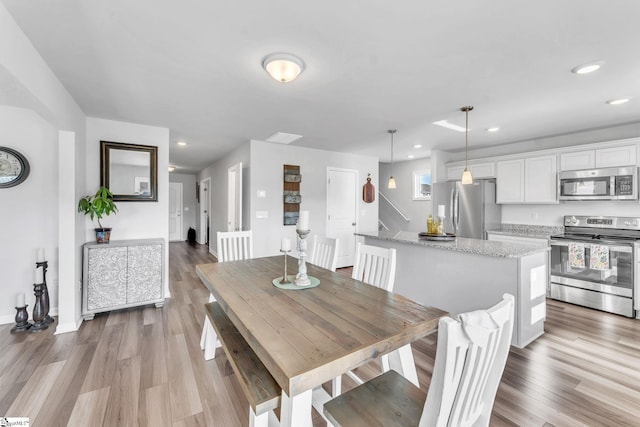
<point>195,67</point>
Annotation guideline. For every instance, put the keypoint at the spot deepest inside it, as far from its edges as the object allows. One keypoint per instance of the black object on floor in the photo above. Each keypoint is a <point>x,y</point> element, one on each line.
<point>191,236</point>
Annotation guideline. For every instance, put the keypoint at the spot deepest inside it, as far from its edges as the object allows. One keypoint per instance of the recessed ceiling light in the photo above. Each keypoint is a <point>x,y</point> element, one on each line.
<point>446,124</point>
<point>417,145</point>
<point>410,156</point>
<point>171,168</point>
<point>283,138</point>
<point>618,101</point>
<point>493,129</point>
<point>586,68</point>
<point>181,143</point>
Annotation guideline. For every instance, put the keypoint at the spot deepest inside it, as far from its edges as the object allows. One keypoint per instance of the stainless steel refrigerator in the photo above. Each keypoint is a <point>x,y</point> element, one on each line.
<point>469,209</point>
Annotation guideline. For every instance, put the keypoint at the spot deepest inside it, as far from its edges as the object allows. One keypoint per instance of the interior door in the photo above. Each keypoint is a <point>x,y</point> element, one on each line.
<point>234,203</point>
<point>203,235</point>
<point>342,196</point>
<point>175,211</point>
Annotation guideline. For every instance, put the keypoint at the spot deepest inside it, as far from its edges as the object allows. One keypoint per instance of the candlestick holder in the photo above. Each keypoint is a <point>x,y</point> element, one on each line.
<point>301,278</point>
<point>38,310</point>
<point>45,292</point>
<point>285,279</point>
<point>22,320</point>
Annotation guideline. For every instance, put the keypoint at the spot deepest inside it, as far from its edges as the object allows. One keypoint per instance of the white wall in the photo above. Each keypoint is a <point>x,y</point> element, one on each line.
<point>29,210</point>
<point>134,220</point>
<point>267,160</point>
<point>189,204</point>
<point>26,81</point>
<point>219,195</point>
<point>402,196</point>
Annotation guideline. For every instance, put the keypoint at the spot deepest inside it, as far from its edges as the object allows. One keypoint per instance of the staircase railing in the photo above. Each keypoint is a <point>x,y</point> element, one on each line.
<point>406,218</point>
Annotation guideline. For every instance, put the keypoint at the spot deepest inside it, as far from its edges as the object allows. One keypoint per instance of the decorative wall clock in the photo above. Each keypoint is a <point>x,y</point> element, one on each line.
<point>14,167</point>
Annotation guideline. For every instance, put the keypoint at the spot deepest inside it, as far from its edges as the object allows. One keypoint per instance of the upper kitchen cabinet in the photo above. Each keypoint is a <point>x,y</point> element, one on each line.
<point>478,171</point>
<point>530,180</point>
<point>624,155</point>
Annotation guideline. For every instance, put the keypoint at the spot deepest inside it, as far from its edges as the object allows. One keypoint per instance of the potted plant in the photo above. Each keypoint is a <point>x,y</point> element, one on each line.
<point>96,206</point>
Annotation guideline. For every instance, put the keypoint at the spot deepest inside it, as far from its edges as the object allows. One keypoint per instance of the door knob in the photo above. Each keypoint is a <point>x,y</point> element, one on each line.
<point>353,223</point>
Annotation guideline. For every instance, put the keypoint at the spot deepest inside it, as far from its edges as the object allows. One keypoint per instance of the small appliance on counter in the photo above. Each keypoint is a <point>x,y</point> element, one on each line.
<point>593,263</point>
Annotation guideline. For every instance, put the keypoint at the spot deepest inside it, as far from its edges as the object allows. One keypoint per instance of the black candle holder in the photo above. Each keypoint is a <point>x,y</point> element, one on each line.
<point>45,292</point>
<point>39,323</point>
<point>22,320</point>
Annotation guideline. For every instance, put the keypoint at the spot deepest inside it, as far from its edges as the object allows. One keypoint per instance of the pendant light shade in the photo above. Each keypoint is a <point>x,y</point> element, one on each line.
<point>392,182</point>
<point>466,175</point>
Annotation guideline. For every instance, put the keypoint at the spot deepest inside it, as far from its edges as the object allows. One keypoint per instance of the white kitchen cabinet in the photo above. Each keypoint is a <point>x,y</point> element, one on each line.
<point>510,181</point>
<point>121,274</point>
<point>616,156</point>
<point>540,179</point>
<point>578,160</point>
<point>530,180</point>
<point>624,155</point>
<point>478,171</point>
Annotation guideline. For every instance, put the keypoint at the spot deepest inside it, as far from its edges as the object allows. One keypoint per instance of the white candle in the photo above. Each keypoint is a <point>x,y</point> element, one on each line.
<point>20,300</point>
<point>40,255</point>
<point>441,211</point>
<point>39,276</point>
<point>285,244</point>
<point>303,221</point>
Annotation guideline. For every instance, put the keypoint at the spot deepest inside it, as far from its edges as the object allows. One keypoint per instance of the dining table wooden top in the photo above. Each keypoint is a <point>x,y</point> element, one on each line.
<point>306,337</point>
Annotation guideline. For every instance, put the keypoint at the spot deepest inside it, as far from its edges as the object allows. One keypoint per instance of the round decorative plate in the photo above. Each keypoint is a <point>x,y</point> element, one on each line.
<point>14,167</point>
<point>292,286</point>
<point>437,237</point>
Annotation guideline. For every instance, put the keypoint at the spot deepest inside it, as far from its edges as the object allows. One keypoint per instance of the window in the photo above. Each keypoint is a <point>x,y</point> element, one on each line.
<point>422,185</point>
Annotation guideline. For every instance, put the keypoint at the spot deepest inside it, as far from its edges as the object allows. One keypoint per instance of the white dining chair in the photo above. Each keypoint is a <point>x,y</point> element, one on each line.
<point>231,246</point>
<point>325,252</point>
<point>471,354</point>
<point>376,266</point>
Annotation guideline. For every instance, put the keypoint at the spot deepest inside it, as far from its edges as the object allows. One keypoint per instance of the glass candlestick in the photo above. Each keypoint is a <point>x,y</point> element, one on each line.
<point>301,278</point>
<point>285,278</point>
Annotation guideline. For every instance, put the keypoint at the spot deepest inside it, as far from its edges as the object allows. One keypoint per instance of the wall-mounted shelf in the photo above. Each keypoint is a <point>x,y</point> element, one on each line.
<point>291,194</point>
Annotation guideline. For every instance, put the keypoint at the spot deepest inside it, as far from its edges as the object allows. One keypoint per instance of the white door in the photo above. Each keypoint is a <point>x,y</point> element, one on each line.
<point>342,206</point>
<point>203,234</point>
<point>234,202</point>
<point>175,211</point>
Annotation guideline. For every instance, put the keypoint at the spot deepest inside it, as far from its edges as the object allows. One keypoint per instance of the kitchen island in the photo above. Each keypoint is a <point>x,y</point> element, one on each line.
<point>469,274</point>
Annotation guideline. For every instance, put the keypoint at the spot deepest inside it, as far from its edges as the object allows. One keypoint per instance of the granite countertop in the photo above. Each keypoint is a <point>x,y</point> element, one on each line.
<point>527,230</point>
<point>460,244</point>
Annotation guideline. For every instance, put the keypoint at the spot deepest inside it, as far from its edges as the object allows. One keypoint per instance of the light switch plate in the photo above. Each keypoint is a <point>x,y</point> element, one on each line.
<point>262,194</point>
<point>262,214</point>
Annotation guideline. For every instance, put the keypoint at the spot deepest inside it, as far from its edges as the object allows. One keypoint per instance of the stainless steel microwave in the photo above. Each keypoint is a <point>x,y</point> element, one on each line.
<point>599,184</point>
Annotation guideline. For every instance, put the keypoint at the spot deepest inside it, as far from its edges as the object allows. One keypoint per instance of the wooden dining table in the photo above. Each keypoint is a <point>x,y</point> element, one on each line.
<point>306,337</point>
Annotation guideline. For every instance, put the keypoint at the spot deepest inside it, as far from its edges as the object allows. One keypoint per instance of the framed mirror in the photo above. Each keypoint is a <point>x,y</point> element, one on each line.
<point>129,171</point>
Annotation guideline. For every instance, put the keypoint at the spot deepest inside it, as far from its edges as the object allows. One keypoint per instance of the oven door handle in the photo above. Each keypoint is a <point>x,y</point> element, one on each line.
<point>612,248</point>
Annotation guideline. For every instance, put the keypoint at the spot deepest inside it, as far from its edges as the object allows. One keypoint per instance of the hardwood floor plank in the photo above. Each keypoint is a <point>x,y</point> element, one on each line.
<point>144,366</point>
<point>90,408</point>
<point>35,391</point>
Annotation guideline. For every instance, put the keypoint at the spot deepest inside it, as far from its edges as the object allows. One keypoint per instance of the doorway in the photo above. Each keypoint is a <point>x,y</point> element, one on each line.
<point>175,212</point>
<point>342,207</point>
<point>203,235</point>
<point>234,213</point>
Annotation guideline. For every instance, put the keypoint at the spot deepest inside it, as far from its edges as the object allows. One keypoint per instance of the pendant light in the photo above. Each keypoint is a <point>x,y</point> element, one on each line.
<point>466,175</point>
<point>392,181</point>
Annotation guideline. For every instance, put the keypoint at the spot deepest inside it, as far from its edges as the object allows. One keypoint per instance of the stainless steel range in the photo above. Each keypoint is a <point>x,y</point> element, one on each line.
<point>596,263</point>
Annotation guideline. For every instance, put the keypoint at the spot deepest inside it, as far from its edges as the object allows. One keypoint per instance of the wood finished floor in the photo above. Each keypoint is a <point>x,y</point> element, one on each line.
<point>144,367</point>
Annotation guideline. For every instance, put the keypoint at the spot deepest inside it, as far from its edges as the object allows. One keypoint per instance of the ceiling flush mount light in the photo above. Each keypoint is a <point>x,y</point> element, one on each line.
<point>392,181</point>
<point>493,129</point>
<point>466,175</point>
<point>171,168</point>
<point>417,145</point>
<point>181,143</point>
<point>411,156</point>
<point>586,68</point>
<point>283,67</point>
<point>618,101</point>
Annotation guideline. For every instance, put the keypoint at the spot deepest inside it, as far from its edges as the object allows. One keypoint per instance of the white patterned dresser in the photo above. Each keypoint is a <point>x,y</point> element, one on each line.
<point>121,274</point>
